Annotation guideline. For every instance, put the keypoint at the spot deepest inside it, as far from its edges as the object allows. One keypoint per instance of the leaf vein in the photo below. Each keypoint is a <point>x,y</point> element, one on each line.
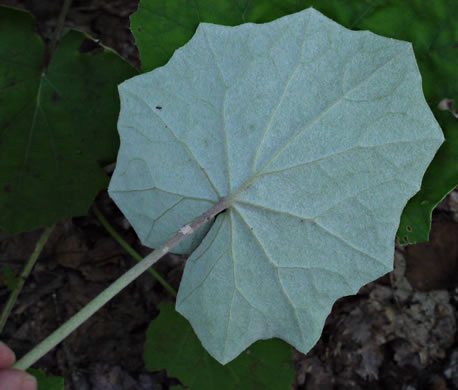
<point>350,245</point>
<point>223,113</point>
<point>281,98</point>
<point>211,268</point>
<point>178,140</point>
<point>321,114</point>
<point>286,296</point>
<point>161,190</point>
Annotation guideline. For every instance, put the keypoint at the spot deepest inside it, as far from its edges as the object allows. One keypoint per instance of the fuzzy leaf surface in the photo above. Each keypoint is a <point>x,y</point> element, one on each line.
<point>432,27</point>
<point>317,134</point>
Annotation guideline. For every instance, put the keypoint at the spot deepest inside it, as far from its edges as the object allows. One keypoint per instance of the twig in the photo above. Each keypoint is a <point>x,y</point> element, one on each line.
<point>23,276</point>
<point>68,327</point>
<point>130,250</point>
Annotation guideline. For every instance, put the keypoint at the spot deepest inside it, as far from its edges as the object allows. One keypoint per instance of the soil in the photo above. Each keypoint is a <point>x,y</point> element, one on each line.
<point>398,332</point>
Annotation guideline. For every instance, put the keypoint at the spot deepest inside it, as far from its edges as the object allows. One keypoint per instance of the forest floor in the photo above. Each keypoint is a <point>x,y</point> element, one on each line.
<point>397,333</point>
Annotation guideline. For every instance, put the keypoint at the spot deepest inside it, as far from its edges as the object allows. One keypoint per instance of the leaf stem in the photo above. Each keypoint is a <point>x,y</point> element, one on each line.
<point>129,249</point>
<point>57,31</point>
<point>69,326</point>
<point>23,276</point>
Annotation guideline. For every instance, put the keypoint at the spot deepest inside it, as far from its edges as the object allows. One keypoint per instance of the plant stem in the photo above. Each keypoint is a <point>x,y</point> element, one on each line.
<point>57,31</point>
<point>61,333</point>
<point>130,250</point>
<point>23,276</point>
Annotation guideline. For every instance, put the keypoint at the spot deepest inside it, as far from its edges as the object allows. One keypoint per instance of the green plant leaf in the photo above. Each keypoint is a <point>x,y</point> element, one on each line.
<point>56,125</point>
<point>161,27</point>
<point>317,135</point>
<point>172,345</point>
<point>47,382</point>
<point>9,278</point>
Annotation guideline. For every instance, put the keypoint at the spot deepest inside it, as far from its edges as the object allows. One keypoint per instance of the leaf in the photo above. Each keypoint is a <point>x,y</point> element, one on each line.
<point>318,136</point>
<point>433,29</point>
<point>161,27</point>
<point>47,382</point>
<point>56,125</point>
<point>9,278</point>
<point>172,345</point>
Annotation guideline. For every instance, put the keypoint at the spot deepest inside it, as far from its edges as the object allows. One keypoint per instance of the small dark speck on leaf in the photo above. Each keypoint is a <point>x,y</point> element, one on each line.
<point>409,228</point>
<point>406,239</point>
<point>139,29</point>
<point>158,108</point>
<point>55,97</point>
<point>7,188</point>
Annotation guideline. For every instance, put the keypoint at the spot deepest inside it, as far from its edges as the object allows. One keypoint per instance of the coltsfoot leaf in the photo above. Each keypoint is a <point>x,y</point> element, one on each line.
<point>318,135</point>
<point>161,27</point>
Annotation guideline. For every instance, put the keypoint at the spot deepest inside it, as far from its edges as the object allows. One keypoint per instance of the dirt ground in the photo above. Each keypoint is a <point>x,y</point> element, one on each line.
<point>399,332</point>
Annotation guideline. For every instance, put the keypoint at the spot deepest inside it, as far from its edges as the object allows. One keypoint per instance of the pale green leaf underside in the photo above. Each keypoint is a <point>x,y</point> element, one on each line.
<point>318,133</point>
